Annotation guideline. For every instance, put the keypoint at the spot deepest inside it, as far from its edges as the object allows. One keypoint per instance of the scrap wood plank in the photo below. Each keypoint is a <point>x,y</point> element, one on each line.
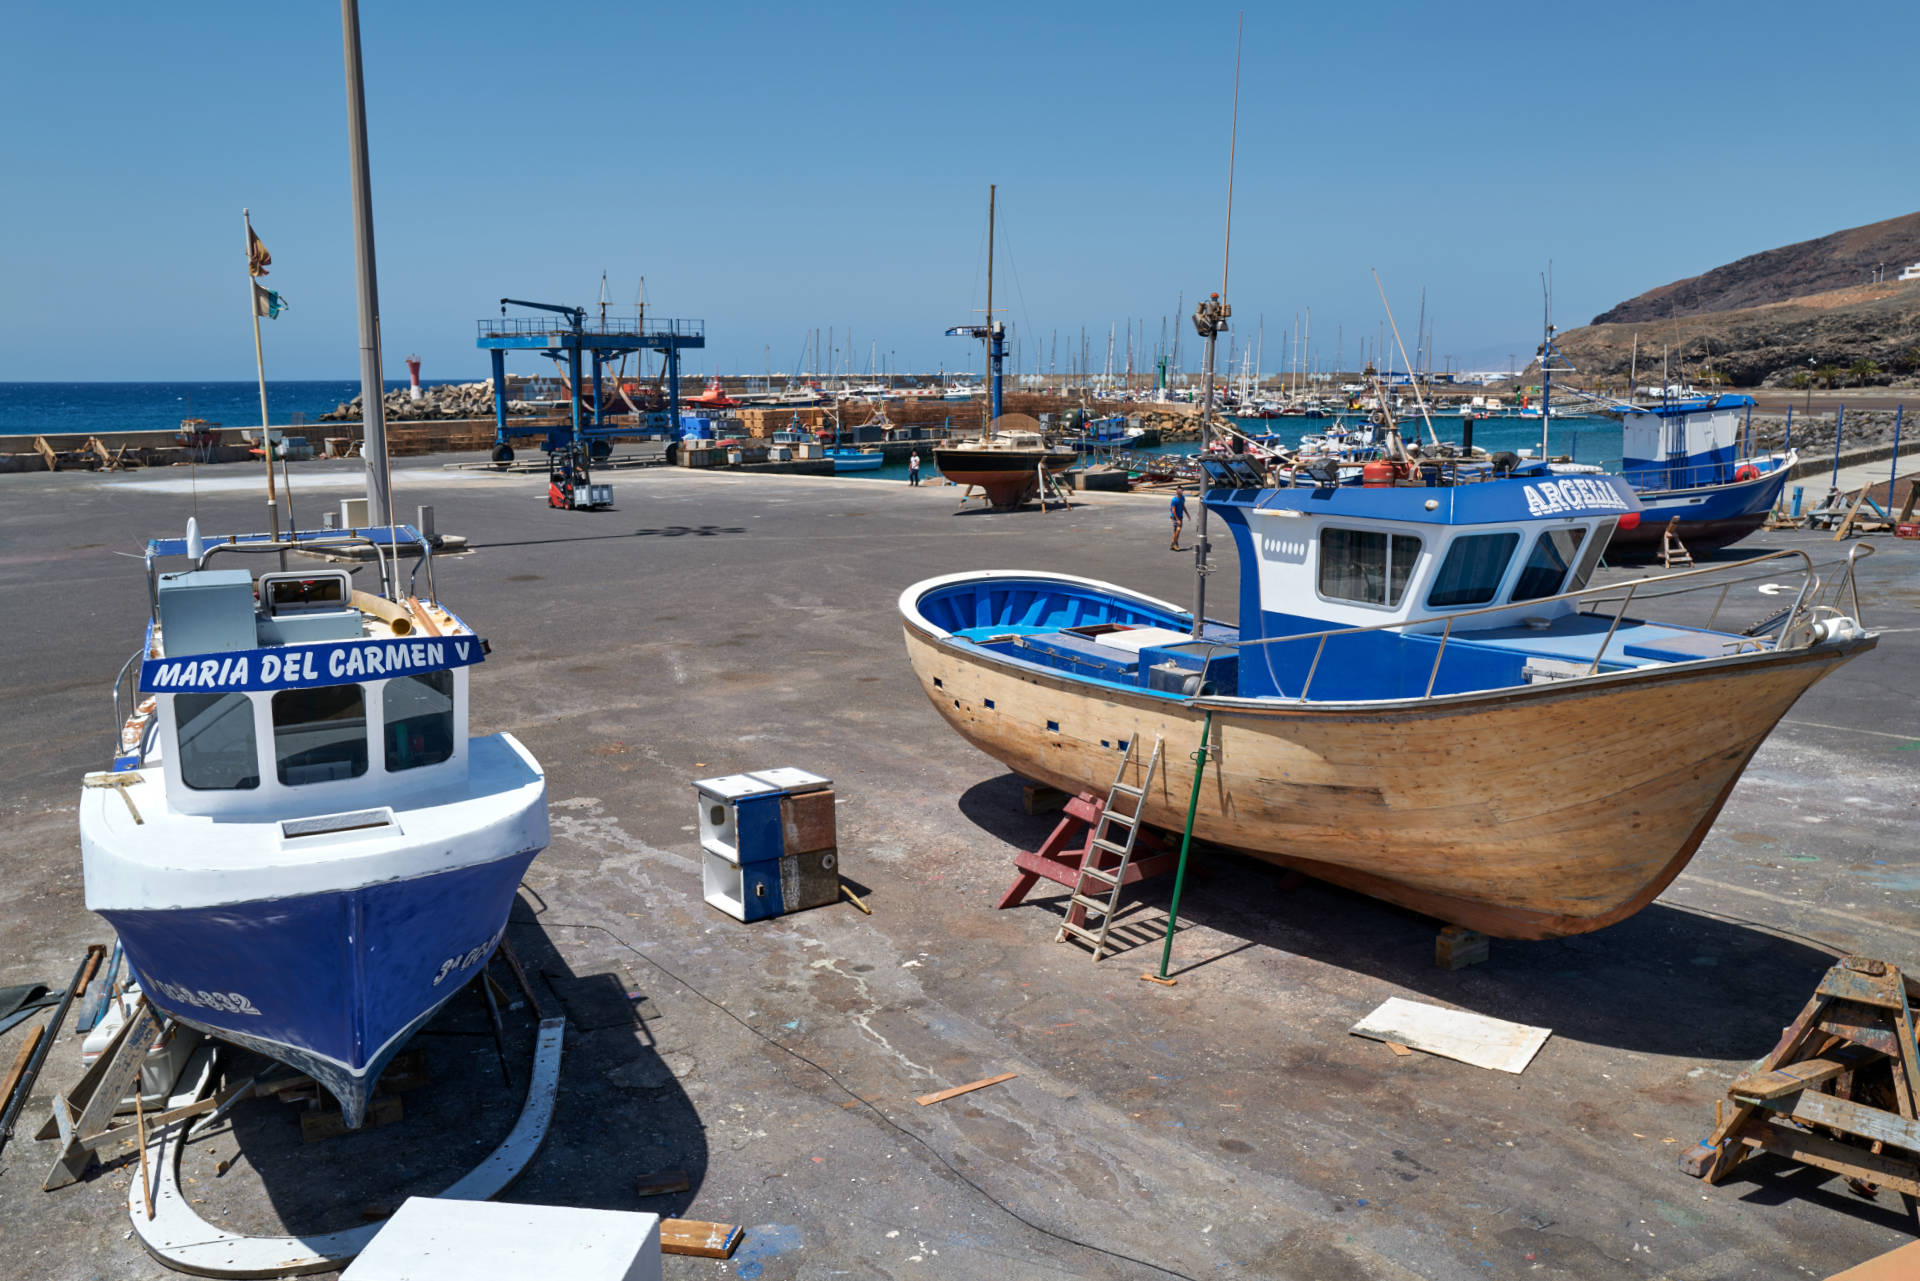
<point>1823,1153</point>
<point>1803,1075</point>
<point>20,1064</point>
<point>664,1182</point>
<point>940,1096</point>
<point>1454,1034</point>
<point>699,1238</point>
<point>1809,1107</point>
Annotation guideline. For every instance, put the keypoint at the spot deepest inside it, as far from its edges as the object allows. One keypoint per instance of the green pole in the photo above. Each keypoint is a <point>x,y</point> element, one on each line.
<point>1186,842</point>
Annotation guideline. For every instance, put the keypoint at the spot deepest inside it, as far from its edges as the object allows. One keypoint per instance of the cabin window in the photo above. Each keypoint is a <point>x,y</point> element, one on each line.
<point>1472,571</point>
<point>1546,566</point>
<point>1590,558</point>
<point>419,719</point>
<point>320,734</point>
<point>217,747</point>
<point>1366,565</point>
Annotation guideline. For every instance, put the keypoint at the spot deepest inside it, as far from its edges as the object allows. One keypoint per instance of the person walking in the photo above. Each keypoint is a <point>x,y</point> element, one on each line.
<point>1177,509</point>
<point>913,468</point>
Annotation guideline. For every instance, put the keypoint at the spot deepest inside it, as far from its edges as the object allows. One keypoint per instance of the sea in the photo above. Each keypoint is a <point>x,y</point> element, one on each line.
<point>38,407</point>
<point>35,408</point>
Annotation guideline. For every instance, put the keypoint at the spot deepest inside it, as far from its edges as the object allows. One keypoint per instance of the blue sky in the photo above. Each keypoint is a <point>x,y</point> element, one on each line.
<point>773,169</point>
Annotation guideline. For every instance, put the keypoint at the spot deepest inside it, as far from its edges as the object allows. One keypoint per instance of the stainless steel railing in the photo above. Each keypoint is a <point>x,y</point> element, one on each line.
<point>1814,594</point>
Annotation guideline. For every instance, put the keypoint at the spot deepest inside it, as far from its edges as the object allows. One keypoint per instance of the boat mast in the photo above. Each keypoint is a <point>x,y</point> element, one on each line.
<point>373,409</point>
<point>1209,318</point>
<point>993,382</point>
<point>1546,364</point>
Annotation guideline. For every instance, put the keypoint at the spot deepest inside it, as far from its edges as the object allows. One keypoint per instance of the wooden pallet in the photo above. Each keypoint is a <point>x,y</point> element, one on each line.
<point>1837,1092</point>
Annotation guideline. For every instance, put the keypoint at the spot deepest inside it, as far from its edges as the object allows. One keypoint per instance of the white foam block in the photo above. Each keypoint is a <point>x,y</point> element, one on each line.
<point>1454,1034</point>
<point>433,1239</point>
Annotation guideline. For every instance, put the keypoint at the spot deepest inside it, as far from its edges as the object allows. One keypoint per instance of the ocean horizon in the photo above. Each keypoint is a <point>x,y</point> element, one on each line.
<point>32,408</point>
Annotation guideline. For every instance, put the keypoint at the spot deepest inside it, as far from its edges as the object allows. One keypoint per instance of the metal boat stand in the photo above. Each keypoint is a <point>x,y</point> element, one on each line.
<point>177,1236</point>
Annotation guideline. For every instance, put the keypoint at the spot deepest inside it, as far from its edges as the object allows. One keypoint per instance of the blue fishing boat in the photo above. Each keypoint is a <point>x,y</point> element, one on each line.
<point>300,846</point>
<point>1425,698</point>
<point>848,459</point>
<point>1691,459</point>
<point>307,855</point>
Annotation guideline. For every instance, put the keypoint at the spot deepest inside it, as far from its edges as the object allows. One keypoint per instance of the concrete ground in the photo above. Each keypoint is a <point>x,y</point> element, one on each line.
<point>1228,1126</point>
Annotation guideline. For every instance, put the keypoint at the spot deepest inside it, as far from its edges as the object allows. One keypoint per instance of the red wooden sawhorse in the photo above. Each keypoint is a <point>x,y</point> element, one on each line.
<point>1059,860</point>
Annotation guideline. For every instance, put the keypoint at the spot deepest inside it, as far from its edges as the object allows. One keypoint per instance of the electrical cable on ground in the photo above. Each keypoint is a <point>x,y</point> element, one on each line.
<point>871,1107</point>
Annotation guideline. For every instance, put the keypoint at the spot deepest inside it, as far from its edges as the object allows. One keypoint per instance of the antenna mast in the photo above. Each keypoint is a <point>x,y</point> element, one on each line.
<point>1209,318</point>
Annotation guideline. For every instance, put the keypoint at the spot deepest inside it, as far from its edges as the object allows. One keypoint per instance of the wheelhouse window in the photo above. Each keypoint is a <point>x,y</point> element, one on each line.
<point>419,719</point>
<point>1471,573</point>
<point>1547,563</point>
<point>1366,565</point>
<point>218,751</point>
<point>320,734</point>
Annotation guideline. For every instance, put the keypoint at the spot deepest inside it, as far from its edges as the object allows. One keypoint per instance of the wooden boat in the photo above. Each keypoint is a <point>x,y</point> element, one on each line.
<point>1424,700</point>
<point>1006,466</point>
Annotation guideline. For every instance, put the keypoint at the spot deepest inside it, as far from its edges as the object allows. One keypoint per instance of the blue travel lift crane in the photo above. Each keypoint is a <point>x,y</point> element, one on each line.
<point>570,445</point>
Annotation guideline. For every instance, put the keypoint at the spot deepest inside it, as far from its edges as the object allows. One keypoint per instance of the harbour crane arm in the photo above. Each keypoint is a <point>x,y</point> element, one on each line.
<point>576,316</point>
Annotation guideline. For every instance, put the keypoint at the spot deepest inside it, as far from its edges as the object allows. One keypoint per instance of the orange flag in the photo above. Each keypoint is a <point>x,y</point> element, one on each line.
<point>258,259</point>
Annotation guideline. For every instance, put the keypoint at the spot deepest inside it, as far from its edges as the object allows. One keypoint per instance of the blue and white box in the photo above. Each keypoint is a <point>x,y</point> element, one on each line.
<point>768,844</point>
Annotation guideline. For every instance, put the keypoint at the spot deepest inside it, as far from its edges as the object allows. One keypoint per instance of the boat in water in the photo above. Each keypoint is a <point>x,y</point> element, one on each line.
<point>848,459</point>
<point>1425,699</point>
<point>301,847</point>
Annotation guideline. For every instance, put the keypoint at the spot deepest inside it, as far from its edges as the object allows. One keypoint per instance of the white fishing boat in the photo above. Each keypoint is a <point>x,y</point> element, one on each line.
<point>301,847</point>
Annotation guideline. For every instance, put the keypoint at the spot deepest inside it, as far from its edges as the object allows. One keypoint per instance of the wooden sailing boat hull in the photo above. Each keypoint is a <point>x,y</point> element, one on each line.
<point>1531,812</point>
<point>1009,476</point>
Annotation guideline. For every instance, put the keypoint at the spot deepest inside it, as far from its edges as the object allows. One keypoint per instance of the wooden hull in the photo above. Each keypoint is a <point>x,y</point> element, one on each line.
<point>1008,476</point>
<point>1531,812</point>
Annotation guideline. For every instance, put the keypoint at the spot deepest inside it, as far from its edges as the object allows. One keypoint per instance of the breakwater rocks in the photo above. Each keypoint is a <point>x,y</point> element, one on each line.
<point>1812,432</point>
<point>447,400</point>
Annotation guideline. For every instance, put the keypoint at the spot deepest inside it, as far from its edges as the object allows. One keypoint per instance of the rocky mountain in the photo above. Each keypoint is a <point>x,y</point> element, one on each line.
<point>1765,345</point>
<point>1843,259</point>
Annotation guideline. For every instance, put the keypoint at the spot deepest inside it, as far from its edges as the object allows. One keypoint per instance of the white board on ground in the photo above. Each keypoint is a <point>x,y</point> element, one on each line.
<point>1455,1034</point>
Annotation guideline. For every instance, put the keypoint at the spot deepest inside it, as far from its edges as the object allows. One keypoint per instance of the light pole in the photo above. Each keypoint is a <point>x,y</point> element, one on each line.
<point>1809,408</point>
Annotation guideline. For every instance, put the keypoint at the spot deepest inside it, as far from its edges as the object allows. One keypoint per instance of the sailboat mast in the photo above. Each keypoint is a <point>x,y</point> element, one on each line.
<point>993,385</point>
<point>373,409</point>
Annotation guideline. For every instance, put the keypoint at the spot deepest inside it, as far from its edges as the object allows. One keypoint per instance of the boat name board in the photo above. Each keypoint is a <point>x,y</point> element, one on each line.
<point>1575,493</point>
<point>339,663</point>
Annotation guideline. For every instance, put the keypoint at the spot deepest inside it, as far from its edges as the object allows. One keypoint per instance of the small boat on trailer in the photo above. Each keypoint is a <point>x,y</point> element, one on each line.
<point>301,847</point>
<point>1425,700</point>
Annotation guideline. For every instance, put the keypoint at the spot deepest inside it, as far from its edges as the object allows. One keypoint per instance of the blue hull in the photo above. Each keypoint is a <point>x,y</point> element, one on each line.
<point>1711,516</point>
<point>330,984</point>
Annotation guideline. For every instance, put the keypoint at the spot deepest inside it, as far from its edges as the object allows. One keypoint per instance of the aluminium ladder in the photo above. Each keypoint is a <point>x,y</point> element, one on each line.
<point>1100,842</point>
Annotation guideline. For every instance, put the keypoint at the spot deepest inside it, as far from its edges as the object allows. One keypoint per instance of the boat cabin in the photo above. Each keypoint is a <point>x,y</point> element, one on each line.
<point>291,693</point>
<point>1684,443</point>
<point>1349,593</point>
